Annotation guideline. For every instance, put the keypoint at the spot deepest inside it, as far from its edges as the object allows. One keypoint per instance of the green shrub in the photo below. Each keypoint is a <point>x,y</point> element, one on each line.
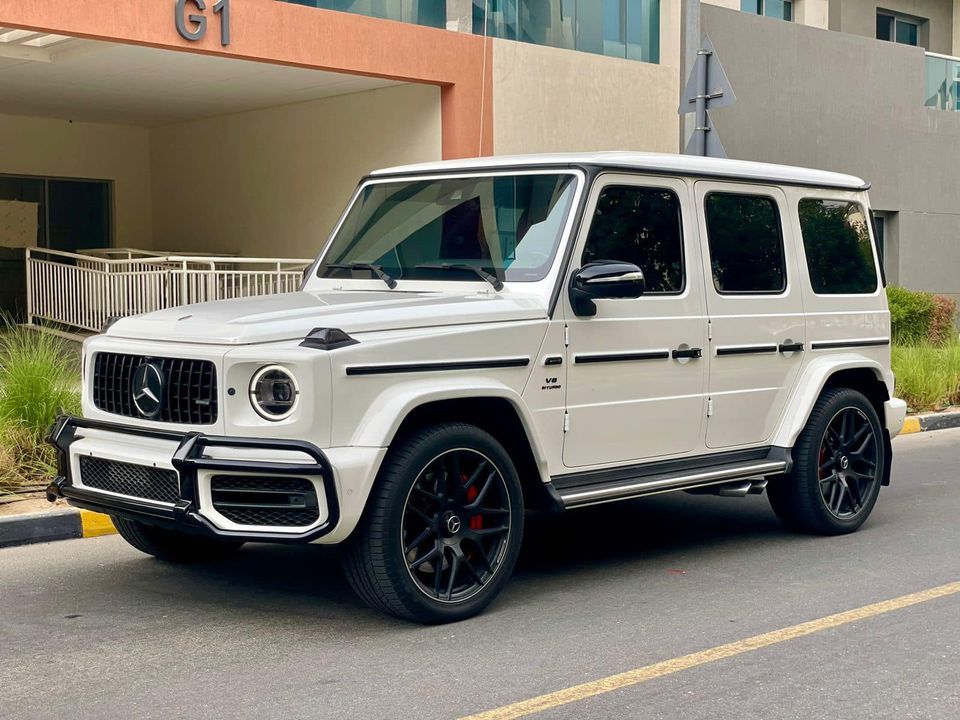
<point>943,328</point>
<point>911,315</point>
<point>927,377</point>
<point>39,375</point>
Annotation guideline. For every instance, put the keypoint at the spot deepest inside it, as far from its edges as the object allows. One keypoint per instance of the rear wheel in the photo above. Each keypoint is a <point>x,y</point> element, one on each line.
<point>443,527</point>
<point>171,545</point>
<point>837,470</point>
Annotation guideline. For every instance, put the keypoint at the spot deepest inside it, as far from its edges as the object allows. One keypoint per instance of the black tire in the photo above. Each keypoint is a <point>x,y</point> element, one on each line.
<point>171,545</point>
<point>413,499</point>
<point>836,477</point>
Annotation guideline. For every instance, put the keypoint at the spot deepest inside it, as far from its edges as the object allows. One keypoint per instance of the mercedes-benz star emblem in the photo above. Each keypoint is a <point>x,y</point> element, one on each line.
<point>147,388</point>
<point>453,524</point>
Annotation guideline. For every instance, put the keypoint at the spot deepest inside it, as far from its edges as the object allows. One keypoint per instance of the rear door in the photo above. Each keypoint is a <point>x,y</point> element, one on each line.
<point>755,307</point>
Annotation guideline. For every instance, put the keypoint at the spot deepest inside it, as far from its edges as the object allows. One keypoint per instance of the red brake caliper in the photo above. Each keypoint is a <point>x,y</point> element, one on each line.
<point>476,521</point>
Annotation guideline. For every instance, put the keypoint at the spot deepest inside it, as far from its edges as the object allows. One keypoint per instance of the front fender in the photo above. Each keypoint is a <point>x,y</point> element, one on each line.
<point>811,384</point>
<point>382,420</point>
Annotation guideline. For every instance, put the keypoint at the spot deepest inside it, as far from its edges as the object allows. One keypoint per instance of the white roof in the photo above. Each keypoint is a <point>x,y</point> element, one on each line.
<point>650,162</point>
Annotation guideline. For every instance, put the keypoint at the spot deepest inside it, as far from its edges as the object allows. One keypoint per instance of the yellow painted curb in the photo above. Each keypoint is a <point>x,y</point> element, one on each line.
<point>96,524</point>
<point>911,425</point>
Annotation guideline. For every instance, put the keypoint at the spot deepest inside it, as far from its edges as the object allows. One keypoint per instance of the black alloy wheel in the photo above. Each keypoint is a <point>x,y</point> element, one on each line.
<point>839,461</point>
<point>456,525</point>
<point>848,462</point>
<point>442,527</point>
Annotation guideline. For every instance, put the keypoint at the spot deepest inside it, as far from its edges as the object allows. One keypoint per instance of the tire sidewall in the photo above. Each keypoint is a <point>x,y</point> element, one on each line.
<point>808,466</point>
<point>398,482</point>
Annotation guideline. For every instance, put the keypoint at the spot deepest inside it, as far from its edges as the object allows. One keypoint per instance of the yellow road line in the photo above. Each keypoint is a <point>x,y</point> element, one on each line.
<point>95,524</point>
<point>668,667</point>
<point>911,425</point>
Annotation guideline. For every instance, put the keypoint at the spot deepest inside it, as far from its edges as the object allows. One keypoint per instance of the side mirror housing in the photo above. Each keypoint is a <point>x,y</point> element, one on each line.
<point>604,279</point>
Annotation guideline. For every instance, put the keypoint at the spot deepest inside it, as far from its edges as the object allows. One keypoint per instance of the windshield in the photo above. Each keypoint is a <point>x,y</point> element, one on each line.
<point>507,226</point>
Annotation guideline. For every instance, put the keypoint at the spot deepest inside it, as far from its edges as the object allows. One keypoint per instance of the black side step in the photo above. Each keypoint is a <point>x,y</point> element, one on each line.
<point>591,488</point>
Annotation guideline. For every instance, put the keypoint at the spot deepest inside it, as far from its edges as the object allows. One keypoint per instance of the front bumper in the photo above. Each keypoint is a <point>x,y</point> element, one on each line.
<point>189,459</point>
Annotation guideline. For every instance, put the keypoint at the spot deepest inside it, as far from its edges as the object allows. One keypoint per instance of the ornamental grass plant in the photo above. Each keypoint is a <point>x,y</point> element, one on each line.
<point>39,376</point>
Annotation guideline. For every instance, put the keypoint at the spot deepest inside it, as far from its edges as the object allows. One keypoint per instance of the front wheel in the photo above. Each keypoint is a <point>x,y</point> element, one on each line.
<point>838,467</point>
<point>443,527</point>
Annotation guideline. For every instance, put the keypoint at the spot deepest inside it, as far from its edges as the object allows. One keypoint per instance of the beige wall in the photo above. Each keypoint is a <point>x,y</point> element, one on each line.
<point>551,100</point>
<point>956,28</point>
<point>273,182</point>
<point>813,13</point>
<point>45,146</point>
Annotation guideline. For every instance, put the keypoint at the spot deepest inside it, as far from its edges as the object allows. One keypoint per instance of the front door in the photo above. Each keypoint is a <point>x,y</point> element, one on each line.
<point>628,397</point>
<point>755,305</point>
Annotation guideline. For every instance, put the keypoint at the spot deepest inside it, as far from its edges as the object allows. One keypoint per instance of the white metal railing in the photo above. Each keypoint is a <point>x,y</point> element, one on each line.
<point>81,292</point>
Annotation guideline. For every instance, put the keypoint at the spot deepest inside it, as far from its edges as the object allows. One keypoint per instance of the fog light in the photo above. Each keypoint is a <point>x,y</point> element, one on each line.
<point>274,392</point>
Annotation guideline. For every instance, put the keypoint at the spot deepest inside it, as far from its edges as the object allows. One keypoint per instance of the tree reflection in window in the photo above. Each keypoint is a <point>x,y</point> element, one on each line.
<point>837,244</point>
<point>640,226</point>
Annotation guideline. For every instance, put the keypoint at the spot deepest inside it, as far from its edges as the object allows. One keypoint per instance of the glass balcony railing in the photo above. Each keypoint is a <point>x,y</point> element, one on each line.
<point>617,28</point>
<point>432,13</point>
<point>943,82</point>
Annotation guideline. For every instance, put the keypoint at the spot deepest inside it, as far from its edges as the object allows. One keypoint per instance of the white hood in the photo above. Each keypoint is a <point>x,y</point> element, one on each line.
<point>291,316</point>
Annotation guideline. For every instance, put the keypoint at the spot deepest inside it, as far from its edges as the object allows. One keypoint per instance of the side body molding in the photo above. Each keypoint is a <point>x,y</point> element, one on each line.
<point>810,385</point>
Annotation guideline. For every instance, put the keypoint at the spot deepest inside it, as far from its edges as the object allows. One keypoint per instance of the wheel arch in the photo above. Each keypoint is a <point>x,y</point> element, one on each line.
<point>497,409</point>
<point>856,372</point>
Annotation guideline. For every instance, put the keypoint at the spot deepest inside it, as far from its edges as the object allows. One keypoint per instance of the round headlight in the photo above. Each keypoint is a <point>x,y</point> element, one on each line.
<point>274,392</point>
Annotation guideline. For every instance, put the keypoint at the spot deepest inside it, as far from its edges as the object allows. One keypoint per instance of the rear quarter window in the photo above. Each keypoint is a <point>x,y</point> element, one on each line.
<point>837,246</point>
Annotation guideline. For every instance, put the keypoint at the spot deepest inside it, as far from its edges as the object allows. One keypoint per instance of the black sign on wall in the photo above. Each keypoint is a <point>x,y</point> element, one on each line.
<point>190,17</point>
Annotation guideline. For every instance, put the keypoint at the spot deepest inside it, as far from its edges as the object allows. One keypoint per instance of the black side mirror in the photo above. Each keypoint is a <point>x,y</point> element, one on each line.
<point>601,280</point>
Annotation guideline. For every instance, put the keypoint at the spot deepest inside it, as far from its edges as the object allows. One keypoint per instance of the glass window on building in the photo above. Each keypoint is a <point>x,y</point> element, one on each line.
<point>617,28</point>
<point>895,28</point>
<point>780,9</point>
<point>432,13</point>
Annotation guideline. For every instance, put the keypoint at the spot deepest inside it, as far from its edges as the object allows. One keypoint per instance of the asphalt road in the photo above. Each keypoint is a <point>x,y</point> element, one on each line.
<point>91,628</point>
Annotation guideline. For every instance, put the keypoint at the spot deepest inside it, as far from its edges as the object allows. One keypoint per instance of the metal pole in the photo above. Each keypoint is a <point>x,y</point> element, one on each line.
<point>701,129</point>
<point>691,44</point>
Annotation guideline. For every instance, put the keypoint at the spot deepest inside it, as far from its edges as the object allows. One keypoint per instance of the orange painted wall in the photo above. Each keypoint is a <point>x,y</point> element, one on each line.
<point>279,32</point>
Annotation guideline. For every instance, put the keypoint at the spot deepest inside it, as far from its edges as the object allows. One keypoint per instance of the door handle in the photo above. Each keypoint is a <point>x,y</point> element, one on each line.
<point>790,347</point>
<point>687,353</point>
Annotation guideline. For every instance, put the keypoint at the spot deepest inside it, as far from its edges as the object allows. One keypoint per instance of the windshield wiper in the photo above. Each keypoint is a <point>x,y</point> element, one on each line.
<point>463,267</point>
<point>375,269</point>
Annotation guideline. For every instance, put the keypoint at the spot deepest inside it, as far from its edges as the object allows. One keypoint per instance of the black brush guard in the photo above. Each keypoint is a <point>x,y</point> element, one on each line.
<point>187,460</point>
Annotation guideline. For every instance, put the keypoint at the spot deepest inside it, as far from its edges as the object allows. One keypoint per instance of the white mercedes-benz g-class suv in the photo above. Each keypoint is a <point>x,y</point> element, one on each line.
<point>483,338</point>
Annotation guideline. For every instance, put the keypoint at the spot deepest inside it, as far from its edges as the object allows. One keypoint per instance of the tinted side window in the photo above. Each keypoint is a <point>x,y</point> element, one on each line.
<point>838,248</point>
<point>746,246</point>
<point>641,226</point>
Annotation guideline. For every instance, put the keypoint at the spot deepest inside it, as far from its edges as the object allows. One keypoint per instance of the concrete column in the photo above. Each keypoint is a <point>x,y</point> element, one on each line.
<point>956,28</point>
<point>460,15</point>
<point>815,13</point>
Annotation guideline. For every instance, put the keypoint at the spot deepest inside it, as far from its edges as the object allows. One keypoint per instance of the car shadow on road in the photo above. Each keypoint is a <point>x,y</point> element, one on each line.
<point>306,581</point>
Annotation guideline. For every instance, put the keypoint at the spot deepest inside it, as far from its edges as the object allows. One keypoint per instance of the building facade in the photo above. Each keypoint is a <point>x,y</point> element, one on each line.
<point>241,126</point>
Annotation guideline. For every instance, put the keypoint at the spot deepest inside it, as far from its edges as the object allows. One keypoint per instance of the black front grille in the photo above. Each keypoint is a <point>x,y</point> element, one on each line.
<point>139,481</point>
<point>189,395</point>
<point>265,500</point>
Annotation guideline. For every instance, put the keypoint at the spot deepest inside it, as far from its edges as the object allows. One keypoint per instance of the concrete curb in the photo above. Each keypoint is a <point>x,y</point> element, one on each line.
<point>65,524</point>
<point>930,421</point>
